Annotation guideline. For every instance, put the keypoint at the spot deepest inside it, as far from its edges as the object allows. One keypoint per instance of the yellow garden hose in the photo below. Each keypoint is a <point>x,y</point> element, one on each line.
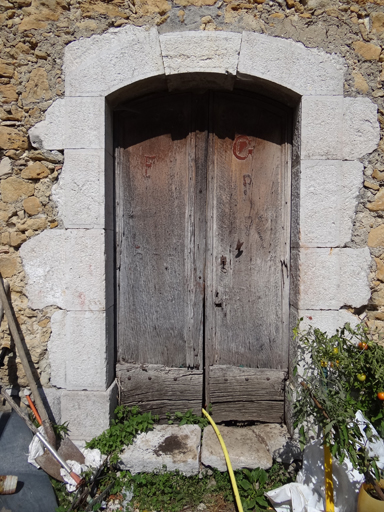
<point>329,503</point>
<point>229,465</point>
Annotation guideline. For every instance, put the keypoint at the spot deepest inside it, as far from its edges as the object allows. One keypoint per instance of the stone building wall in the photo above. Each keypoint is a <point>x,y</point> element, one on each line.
<point>34,35</point>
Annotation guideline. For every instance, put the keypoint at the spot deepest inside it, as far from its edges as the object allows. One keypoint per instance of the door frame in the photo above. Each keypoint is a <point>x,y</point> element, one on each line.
<point>269,382</point>
<point>126,62</point>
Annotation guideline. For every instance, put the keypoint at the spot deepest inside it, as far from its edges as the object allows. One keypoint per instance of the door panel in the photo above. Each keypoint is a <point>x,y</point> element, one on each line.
<point>202,200</point>
<point>249,236</point>
<point>243,394</point>
<point>159,389</point>
<point>161,248</point>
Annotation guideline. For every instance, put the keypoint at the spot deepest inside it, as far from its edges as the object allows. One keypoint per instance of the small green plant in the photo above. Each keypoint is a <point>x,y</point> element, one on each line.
<point>251,489</point>
<point>62,496</point>
<point>340,375</point>
<point>167,491</point>
<point>61,430</point>
<point>254,483</point>
<point>187,418</point>
<point>127,424</point>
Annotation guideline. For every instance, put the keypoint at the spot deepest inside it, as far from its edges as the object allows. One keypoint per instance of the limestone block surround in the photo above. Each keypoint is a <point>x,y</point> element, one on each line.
<point>72,267</point>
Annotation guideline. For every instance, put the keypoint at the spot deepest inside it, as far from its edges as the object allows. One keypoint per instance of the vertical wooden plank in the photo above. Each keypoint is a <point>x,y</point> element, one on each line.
<point>248,234</point>
<point>210,337</point>
<point>119,224</point>
<point>286,239</point>
<point>155,277</point>
<point>196,249</point>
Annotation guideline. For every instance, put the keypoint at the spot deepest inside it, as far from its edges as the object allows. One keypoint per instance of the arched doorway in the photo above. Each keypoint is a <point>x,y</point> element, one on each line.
<point>203,231</point>
<point>129,61</point>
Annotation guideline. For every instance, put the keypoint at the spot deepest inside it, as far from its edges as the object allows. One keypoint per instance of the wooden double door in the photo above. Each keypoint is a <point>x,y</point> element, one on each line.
<point>203,230</point>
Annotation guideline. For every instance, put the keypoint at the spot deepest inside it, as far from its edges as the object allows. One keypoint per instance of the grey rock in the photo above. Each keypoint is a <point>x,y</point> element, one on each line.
<point>54,157</point>
<point>244,448</point>
<point>172,446</point>
<point>5,168</point>
<point>278,442</point>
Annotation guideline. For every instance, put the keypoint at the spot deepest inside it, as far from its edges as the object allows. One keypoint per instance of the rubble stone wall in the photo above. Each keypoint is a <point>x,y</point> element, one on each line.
<point>34,37</point>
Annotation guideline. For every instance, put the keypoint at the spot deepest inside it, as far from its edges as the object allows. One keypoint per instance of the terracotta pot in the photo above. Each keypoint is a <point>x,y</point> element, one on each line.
<point>366,503</point>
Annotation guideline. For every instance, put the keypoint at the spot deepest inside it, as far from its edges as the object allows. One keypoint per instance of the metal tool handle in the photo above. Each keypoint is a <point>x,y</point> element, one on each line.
<point>32,427</point>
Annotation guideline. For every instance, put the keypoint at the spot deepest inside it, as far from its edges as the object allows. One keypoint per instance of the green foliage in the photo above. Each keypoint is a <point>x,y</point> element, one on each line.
<point>167,491</point>
<point>252,485</point>
<point>251,489</point>
<point>187,418</point>
<point>331,366</point>
<point>171,491</point>
<point>127,424</point>
<point>61,430</point>
<point>164,491</point>
<point>63,498</point>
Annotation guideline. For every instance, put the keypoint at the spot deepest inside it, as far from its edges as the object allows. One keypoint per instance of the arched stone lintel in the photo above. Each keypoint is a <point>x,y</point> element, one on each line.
<point>103,64</point>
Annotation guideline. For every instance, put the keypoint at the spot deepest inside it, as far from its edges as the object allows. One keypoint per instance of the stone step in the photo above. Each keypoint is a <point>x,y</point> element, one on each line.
<point>166,445</point>
<point>181,448</point>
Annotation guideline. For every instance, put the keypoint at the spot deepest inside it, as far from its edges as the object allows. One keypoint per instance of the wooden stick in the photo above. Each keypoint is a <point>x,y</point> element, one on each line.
<point>24,360</point>
<point>6,287</point>
<point>34,410</point>
<point>17,409</point>
<point>305,386</point>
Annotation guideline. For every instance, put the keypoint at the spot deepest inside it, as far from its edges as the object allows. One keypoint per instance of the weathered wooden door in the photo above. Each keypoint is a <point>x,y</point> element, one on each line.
<point>203,209</point>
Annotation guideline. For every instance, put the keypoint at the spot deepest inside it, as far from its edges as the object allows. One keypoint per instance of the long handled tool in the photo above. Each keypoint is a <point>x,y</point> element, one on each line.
<point>67,450</point>
<point>30,425</point>
<point>24,361</point>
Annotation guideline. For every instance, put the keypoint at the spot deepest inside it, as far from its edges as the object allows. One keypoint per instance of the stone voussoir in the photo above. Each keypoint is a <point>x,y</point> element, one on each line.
<point>309,72</point>
<point>100,65</point>
<point>200,51</point>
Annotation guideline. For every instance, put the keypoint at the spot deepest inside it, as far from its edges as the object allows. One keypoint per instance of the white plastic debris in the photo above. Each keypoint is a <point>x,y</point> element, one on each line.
<point>375,448</point>
<point>307,494</point>
<point>128,495</point>
<point>93,458</point>
<point>77,468</point>
<point>36,448</point>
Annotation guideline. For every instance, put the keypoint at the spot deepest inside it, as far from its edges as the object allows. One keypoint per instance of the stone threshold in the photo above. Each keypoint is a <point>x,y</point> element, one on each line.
<point>184,448</point>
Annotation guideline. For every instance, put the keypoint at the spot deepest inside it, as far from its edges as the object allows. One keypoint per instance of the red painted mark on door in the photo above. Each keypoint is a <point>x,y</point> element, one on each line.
<point>149,162</point>
<point>242,147</point>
